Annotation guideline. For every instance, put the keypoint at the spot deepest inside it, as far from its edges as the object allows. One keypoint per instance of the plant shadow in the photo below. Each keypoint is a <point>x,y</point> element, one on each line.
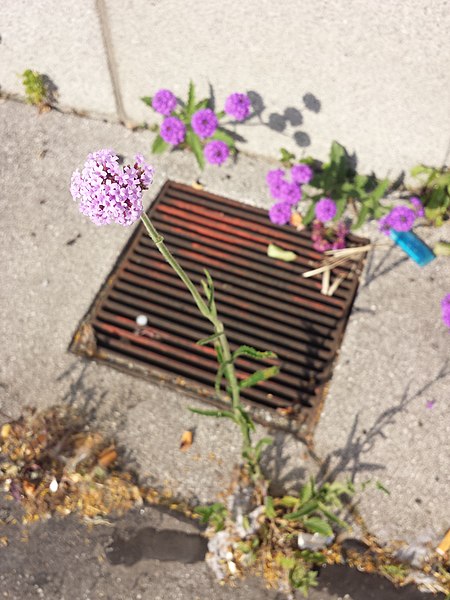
<point>349,459</point>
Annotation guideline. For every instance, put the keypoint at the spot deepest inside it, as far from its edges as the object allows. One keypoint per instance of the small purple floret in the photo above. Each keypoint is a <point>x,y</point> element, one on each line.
<point>274,176</point>
<point>417,206</point>
<point>445,306</point>
<point>290,192</point>
<point>164,102</point>
<point>173,131</point>
<point>401,218</point>
<point>110,193</point>
<point>325,210</point>
<point>301,173</point>
<point>204,123</point>
<point>280,213</point>
<point>216,152</point>
<point>238,106</point>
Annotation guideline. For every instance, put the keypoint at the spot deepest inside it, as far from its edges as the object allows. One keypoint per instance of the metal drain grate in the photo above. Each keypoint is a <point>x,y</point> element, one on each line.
<point>263,302</point>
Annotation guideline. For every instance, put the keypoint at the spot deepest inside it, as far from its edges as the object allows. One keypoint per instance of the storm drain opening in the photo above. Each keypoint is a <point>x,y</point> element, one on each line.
<point>145,322</point>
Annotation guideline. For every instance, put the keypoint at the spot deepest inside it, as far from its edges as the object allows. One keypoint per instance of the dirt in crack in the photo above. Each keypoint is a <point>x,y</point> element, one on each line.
<point>164,544</point>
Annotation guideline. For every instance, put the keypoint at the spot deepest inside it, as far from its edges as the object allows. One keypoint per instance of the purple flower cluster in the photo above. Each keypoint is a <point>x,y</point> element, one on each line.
<point>173,131</point>
<point>164,102</point>
<point>204,123</point>
<point>402,218</point>
<point>216,152</point>
<point>287,192</point>
<point>238,106</point>
<point>325,210</point>
<point>108,192</point>
<point>445,306</point>
<point>328,238</point>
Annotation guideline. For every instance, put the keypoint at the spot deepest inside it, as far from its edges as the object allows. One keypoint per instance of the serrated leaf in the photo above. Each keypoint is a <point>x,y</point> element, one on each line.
<point>306,509</point>
<point>310,214</point>
<point>223,136</point>
<point>307,491</point>
<point>270,509</point>
<point>249,351</point>
<point>258,376</point>
<point>190,107</point>
<point>194,143</point>
<point>289,501</point>
<point>377,194</point>
<point>159,145</point>
<point>212,413</point>
<point>209,339</point>
<point>340,207</point>
<point>317,525</point>
<point>147,100</point>
<point>202,104</point>
<point>274,251</point>
<point>362,217</point>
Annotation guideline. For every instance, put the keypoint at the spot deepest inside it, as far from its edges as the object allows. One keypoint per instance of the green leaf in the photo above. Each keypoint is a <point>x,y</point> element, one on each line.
<point>191,100</point>
<point>219,376</point>
<point>223,136</point>
<point>207,340</point>
<point>270,509</point>
<point>249,351</point>
<point>280,254</point>
<point>147,100</point>
<point>362,217</point>
<point>379,192</point>
<point>212,413</point>
<point>307,491</point>
<point>306,509</point>
<point>330,515</point>
<point>289,501</point>
<point>286,157</point>
<point>317,525</point>
<point>202,104</point>
<point>381,487</point>
<point>340,205</point>
<point>310,214</point>
<point>159,145</point>
<point>266,441</point>
<point>258,376</point>
<point>195,144</point>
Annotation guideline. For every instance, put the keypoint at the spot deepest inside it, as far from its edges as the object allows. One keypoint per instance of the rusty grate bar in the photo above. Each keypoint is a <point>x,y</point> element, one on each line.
<point>263,302</point>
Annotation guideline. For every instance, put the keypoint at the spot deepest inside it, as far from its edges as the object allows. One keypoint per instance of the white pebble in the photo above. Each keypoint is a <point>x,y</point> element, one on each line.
<point>141,320</point>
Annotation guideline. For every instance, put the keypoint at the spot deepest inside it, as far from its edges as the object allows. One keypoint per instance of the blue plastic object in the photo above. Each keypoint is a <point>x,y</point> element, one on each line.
<point>413,246</point>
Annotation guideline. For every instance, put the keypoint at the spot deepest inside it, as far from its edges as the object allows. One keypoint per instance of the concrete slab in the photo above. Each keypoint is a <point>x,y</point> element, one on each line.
<point>55,261</point>
<point>62,40</point>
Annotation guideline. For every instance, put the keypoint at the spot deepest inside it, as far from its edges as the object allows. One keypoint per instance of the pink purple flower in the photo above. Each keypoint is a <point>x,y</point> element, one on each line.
<point>238,106</point>
<point>173,131</point>
<point>325,209</point>
<point>401,218</point>
<point>445,306</point>
<point>110,193</point>
<point>301,173</point>
<point>216,152</point>
<point>290,192</point>
<point>164,102</point>
<point>384,225</point>
<point>204,122</point>
<point>417,206</point>
<point>280,213</point>
<point>329,238</point>
<point>274,176</point>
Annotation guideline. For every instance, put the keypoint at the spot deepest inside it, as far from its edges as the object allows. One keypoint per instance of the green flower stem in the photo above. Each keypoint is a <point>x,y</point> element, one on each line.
<point>229,371</point>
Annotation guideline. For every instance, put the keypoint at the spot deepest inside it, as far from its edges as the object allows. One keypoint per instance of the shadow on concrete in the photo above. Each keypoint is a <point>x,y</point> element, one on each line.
<point>349,458</point>
<point>384,266</point>
<point>274,460</point>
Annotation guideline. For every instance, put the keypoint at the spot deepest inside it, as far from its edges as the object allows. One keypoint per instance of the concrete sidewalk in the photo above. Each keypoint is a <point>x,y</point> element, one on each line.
<point>395,356</point>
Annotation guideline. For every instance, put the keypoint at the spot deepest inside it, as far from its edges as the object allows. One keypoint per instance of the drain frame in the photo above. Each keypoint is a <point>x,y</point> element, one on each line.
<point>205,230</point>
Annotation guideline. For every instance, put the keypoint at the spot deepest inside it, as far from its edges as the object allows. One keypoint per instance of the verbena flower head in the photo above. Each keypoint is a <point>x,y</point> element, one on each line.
<point>445,305</point>
<point>301,173</point>
<point>110,193</point>
<point>204,123</point>
<point>280,213</point>
<point>384,225</point>
<point>290,192</point>
<point>238,106</point>
<point>325,210</point>
<point>417,206</point>
<point>401,218</point>
<point>173,131</point>
<point>274,176</point>
<point>216,152</point>
<point>329,238</point>
<point>164,102</point>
